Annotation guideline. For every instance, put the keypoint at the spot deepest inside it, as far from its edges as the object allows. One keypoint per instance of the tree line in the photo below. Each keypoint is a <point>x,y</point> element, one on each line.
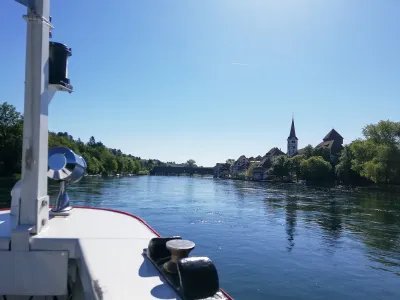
<point>99,158</point>
<point>375,158</point>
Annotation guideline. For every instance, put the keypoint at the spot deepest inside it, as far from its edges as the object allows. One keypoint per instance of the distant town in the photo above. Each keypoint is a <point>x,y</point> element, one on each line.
<point>262,167</point>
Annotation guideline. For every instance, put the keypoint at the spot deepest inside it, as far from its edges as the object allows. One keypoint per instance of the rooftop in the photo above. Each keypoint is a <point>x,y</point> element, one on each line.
<point>332,135</point>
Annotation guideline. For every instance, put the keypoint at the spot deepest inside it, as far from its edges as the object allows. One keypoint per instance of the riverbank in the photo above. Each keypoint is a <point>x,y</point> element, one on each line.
<point>325,184</point>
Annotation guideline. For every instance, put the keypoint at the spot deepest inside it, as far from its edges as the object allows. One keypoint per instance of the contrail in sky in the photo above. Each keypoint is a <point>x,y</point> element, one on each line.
<point>239,64</point>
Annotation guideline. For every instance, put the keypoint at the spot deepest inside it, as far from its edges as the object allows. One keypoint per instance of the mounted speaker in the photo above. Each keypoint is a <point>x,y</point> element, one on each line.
<point>58,67</point>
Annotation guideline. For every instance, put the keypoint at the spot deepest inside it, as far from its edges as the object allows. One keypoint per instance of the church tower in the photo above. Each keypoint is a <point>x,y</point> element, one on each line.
<point>292,141</point>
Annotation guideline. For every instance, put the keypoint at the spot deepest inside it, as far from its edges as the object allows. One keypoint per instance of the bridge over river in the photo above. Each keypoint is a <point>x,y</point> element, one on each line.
<point>181,170</point>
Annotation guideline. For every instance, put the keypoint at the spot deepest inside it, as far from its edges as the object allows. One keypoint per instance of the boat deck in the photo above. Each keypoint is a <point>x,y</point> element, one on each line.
<point>109,246</point>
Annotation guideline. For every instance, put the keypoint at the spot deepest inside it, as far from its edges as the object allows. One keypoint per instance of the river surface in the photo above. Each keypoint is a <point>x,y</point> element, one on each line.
<point>267,241</point>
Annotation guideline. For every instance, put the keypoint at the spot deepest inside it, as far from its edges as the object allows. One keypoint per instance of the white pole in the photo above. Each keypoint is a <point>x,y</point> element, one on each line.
<point>34,198</point>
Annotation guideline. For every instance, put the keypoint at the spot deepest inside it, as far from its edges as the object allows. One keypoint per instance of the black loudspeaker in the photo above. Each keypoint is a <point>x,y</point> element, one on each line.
<point>58,66</point>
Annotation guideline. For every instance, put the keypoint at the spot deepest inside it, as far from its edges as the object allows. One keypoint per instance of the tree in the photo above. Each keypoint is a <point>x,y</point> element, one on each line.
<point>344,171</point>
<point>377,157</point>
<point>308,151</point>
<point>384,133</point>
<point>110,164</point>
<point>295,165</point>
<point>149,164</point>
<point>11,127</point>
<point>230,161</point>
<point>280,167</point>
<point>323,152</point>
<point>94,166</point>
<point>251,169</point>
<point>130,165</point>
<point>121,164</point>
<point>137,167</point>
<point>379,163</point>
<point>316,169</point>
<point>92,142</point>
<point>9,117</point>
<point>98,157</point>
<point>191,163</point>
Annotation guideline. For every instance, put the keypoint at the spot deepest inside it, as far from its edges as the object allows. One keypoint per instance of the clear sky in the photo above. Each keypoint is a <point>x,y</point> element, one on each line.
<point>212,80</point>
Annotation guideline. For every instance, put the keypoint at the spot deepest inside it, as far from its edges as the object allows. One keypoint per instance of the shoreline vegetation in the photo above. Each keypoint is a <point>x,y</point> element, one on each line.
<point>372,162</point>
<point>100,159</point>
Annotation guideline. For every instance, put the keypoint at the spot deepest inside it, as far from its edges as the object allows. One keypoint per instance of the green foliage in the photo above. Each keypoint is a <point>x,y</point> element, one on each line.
<point>308,151</point>
<point>377,162</point>
<point>384,133</point>
<point>100,160</point>
<point>322,152</point>
<point>345,169</point>
<point>230,161</point>
<point>94,166</point>
<point>251,168</point>
<point>98,157</point>
<point>281,166</point>
<point>344,172</point>
<point>315,169</point>
<point>377,157</point>
<point>11,126</point>
<point>110,163</point>
<point>143,172</point>
<point>191,163</point>
<point>295,165</point>
<point>241,175</point>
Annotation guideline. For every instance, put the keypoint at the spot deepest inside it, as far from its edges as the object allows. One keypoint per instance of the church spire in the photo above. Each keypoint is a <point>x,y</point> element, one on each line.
<point>292,131</point>
<point>292,141</point>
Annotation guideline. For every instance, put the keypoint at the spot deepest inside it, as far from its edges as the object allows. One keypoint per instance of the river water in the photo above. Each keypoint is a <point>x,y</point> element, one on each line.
<point>267,241</point>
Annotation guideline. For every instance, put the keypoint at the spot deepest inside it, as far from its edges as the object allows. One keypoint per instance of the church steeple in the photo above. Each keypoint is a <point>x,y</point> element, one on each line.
<point>292,141</point>
<point>292,131</point>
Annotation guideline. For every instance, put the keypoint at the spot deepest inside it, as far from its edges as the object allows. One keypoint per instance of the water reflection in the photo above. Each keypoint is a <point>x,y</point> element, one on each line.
<point>331,223</point>
<point>372,217</point>
<point>189,189</point>
<point>378,225</point>
<point>291,216</point>
<point>86,192</point>
<point>240,189</point>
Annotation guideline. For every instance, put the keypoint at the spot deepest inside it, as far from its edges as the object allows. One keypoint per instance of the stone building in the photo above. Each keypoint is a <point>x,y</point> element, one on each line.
<point>333,141</point>
<point>222,170</point>
<point>240,165</point>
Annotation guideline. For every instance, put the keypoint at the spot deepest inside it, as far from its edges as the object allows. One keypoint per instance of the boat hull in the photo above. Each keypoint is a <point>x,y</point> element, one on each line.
<point>107,247</point>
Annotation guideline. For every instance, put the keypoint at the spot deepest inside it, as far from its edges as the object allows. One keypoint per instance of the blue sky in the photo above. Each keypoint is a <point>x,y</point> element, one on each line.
<point>212,80</point>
